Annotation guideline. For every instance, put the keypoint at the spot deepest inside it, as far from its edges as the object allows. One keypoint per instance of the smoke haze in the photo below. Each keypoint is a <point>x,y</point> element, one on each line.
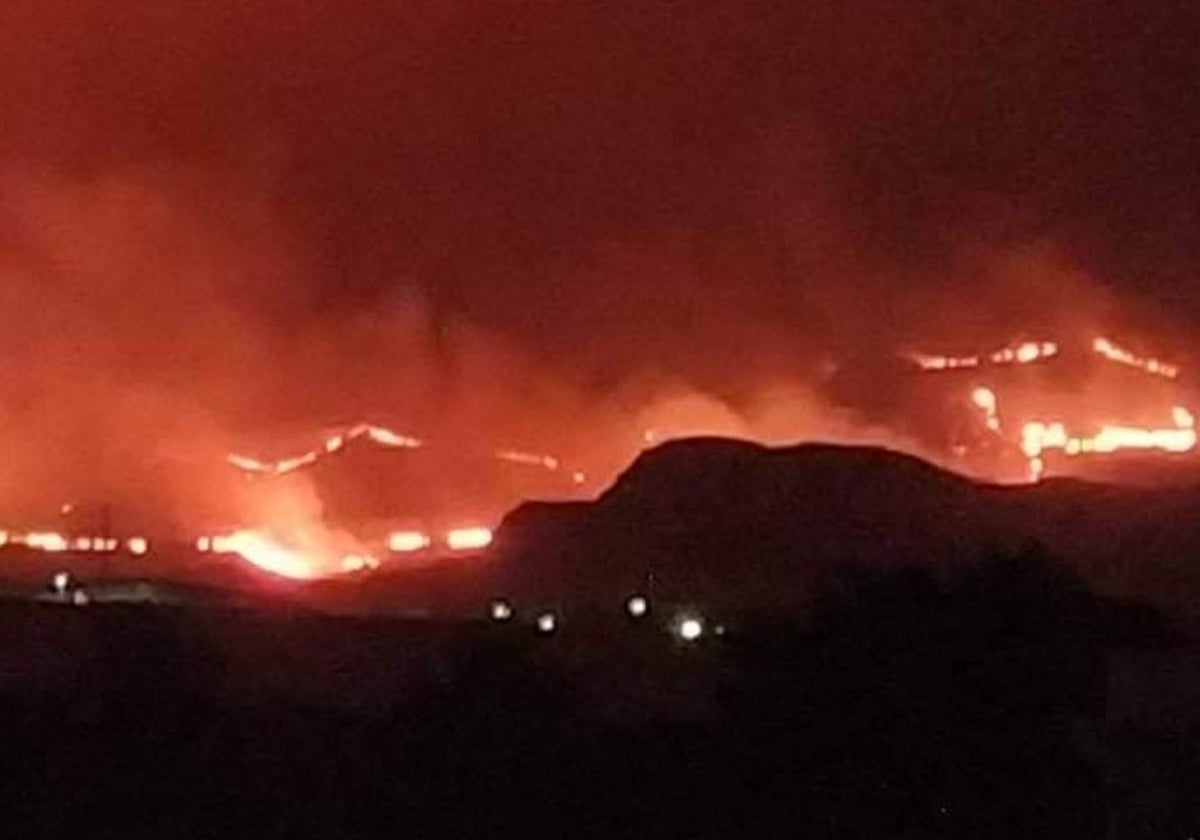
<point>557,226</point>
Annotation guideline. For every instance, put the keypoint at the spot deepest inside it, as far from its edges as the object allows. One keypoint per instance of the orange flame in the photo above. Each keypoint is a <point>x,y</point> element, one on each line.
<point>265,553</point>
<point>1112,352</point>
<point>1024,353</point>
<point>468,539</point>
<point>407,542</point>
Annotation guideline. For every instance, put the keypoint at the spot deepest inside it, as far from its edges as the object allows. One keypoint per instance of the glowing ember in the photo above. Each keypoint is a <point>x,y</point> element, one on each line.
<point>380,436</point>
<point>928,362</point>
<point>386,437</point>
<point>985,401</point>
<point>358,563</point>
<point>467,539</point>
<point>406,542</point>
<point>1112,352</point>
<point>1024,353</point>
<point>547,461</point>
<point>44,541</point>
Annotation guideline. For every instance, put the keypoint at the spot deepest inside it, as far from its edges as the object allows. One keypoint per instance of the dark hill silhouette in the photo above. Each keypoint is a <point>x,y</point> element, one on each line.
<point>749,526</point>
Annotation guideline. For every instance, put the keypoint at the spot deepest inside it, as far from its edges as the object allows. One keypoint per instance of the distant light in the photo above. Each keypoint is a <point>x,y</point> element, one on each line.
<point>81,544</point>
<point>578,477</point>
<point>547,623</point>
<point>466,539</point>
<point>637,606</point>
<point>406,542</point>
<point>204,544</point>
<point>138,546</point>
<point>66,508</point>
<point>3,538</point>
<point>60,582</point>
<point>501,610</point>
<point>719,630</point>
<point>690,629</point>
<point>79,598</point>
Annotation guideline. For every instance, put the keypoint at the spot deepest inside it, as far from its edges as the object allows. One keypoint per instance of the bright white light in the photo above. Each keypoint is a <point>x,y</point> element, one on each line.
<point>138,546</point>
<point>406,542</point>
<point>637,606</point>
<point>466,539</point>
<point>60,582</point>
<point>501,610</point>
<point>690,629</point>
<point>204,544</point>
<point>547,623</point>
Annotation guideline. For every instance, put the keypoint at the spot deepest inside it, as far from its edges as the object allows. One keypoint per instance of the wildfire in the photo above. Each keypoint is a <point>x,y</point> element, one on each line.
<point>383,437</point>
<point>1112,352</point>
<point>468,539</point>
<point>407,542</point>
<point>265,553</point>
<point>1037,436</point>
<point>929,362</point>
<point>985,401</point>
<point>1023,353</point>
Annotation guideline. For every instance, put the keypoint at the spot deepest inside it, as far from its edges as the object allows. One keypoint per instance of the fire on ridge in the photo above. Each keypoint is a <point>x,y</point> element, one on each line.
<point>1012,420</point>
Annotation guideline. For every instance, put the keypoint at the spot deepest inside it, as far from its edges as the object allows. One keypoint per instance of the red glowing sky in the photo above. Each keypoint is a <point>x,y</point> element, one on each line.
<point>533,222</point>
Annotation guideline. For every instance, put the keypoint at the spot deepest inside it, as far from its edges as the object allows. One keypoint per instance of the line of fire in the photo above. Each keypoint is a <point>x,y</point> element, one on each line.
<point>1035,409</point>
<point>1020,413</point>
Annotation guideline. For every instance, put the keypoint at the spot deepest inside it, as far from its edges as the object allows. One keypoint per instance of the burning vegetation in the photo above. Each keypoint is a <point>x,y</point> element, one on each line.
<point>1080,411</point>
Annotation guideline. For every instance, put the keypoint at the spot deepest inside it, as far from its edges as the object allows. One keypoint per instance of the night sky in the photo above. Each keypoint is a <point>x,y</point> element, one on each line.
<point>522,220</point>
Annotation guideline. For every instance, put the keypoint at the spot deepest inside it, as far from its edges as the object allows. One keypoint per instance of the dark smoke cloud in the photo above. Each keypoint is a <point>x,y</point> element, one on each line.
<point>553,223</point>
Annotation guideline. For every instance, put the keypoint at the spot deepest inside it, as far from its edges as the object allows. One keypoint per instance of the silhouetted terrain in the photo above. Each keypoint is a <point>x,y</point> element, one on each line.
<point>738,523</point>
<point>907,705</point>
<point>901,655</point>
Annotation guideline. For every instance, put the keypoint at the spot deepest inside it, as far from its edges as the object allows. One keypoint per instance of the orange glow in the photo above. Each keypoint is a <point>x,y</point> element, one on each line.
<point>358,563</point>
<point>468,539</point>
<point>138,546</point>
<point>1024,353</point>
<point>1037,438</point>
<point>406,542</point>
<point>386,437</point>
<point>44,541</point>
<point>985,400</point>
<point>930,362</point>
<point>1112,352</point>
<point>548,462</point>
<point>379,436</point>
<point>265,553</point>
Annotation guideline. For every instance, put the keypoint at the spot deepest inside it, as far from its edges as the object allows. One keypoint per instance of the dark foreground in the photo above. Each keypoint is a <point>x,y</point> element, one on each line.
<point>1004,702</point>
